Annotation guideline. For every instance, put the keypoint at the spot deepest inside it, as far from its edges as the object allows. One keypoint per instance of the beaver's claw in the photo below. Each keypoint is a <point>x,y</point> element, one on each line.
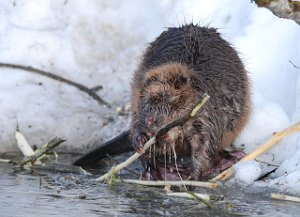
<point>138,143</point>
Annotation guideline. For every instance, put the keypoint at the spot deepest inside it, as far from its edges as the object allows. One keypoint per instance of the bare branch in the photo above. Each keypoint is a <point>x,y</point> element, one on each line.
<point>89,91</point>
<point>171,183</point>
<point>294,65</point>
<point>285,197</point>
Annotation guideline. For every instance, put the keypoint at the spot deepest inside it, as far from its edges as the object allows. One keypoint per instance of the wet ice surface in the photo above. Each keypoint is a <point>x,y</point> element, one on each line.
<point>62,190</point>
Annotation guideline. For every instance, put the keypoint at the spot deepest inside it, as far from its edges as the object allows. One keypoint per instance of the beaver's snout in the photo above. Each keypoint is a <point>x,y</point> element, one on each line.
<point>149,121</point>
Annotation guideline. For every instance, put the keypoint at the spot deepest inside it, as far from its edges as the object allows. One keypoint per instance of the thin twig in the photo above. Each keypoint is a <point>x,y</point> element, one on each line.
<point>199,197</point>
<point>55,195</point>
<point>176,165</point>
<point>40,151</point>
<point>285,197</point>
<point>203,198</point>
<point>266,163</point>
<point>130,160</point>
<point>263,176</point>
<point>295,66</point>
<point>187,195</point>
<point>277,137</point>
<point>171,183</point>
<point>163,130</point>
<point>89,91</point>
<point>5,160</point>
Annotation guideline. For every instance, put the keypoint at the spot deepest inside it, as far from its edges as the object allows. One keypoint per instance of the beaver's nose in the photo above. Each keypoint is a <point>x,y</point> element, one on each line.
<point>164,136</point>
<point>149,121</point>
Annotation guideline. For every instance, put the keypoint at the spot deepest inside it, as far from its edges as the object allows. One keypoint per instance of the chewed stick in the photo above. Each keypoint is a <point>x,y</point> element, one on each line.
<point>40,152</point>
<point>285,197</point>
<point>277,137</point>
<point>163,130</point>
<point>171,183</point>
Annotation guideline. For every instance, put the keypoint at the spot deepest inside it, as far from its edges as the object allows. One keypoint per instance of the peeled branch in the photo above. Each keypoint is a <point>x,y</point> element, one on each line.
<point>22,143</point>
<point>285,197</point>
<point>171,183</point>
<point>277,137</point>
<point>40,152</point>
<point>187,195</point>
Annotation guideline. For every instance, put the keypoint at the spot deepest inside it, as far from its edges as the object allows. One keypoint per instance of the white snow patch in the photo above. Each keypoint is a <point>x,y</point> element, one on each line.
<point>246,172</point>
<point>288,183</point>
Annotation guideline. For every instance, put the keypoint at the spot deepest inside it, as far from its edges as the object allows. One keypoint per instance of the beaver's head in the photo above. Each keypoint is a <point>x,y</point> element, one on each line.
<point>167,94</point>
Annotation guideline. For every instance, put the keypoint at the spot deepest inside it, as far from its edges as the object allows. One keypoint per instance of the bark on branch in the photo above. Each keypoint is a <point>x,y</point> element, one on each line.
<point>90,91</point>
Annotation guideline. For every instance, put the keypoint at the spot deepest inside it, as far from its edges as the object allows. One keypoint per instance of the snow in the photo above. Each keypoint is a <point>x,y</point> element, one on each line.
<point>288,183</point>
<point>246,172</point>
<point>99,43</point>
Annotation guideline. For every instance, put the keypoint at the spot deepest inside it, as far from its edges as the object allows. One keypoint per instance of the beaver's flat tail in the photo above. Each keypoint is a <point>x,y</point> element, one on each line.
<point>117,145</point>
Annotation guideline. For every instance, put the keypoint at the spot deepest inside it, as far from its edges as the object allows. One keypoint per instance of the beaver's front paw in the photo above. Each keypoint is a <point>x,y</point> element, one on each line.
<point>138,143</point>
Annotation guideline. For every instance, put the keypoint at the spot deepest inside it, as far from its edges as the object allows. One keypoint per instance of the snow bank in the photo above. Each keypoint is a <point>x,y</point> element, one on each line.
<point>99,42</point>
<point>94,43</point>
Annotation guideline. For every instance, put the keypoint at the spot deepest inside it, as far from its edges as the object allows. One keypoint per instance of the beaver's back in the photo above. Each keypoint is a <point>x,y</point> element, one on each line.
<point>203,50</point>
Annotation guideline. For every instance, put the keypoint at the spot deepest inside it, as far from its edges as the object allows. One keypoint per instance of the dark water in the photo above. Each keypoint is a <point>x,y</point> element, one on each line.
<point>59,189</point>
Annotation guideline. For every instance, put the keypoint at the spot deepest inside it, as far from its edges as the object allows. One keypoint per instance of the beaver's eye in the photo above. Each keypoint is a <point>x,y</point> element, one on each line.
<point>180,81</point>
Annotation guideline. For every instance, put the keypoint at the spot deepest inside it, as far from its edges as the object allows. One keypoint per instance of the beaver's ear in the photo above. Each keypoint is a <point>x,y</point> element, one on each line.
<point>181,81</point>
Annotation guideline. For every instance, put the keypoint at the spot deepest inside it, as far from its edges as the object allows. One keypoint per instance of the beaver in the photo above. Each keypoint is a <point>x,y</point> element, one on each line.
<point>177,68</point>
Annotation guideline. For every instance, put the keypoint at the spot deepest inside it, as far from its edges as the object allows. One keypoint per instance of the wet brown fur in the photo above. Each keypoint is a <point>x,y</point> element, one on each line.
<point>176,70</point>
